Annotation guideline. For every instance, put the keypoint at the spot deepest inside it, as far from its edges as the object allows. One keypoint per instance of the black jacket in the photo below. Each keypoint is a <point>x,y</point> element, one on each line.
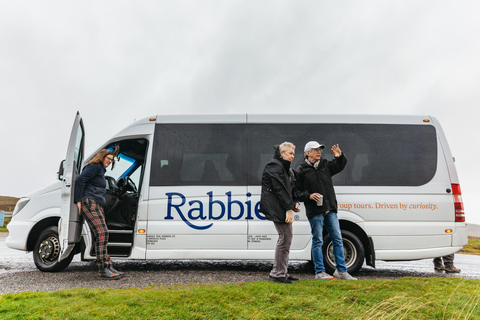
<point>277,185</point>
<point>318,180</point>
<point>91,183</point>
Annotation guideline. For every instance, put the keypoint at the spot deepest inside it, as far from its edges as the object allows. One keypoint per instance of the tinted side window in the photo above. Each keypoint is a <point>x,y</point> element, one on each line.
<point>199,154</point>
<point>378,154</point>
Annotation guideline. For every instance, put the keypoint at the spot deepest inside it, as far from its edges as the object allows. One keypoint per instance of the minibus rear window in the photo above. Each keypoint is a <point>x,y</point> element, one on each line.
<point>377,154</point>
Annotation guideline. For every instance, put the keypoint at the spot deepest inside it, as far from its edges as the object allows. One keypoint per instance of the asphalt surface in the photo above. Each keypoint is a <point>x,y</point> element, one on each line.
<point>18,272</point>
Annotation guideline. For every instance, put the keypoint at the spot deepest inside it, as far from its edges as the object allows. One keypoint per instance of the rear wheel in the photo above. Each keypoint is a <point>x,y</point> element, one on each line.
<point>352,248</point>
<point>47,250</point>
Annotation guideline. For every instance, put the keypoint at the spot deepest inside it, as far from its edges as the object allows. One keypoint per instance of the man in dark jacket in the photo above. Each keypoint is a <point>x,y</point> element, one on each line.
<point>315,188</point>
<point>277,204</point>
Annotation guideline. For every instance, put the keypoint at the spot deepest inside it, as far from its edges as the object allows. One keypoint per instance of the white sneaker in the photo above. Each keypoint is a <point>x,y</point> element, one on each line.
<point>323,276</point>
<point>343,275</point>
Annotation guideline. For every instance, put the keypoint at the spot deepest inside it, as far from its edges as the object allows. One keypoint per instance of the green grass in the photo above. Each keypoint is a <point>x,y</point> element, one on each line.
<point>406,298</point>
<point>5,223</point>
<point>473,247</point>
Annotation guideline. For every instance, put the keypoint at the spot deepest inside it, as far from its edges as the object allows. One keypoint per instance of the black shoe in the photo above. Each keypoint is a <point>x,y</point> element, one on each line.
<point>292,279</point>
<point>105,273</point>
<point>116,271</point>
<point>279,280</point>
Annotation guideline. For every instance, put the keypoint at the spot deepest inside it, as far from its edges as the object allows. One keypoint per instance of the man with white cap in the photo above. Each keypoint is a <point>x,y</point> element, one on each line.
<point>315,189</point>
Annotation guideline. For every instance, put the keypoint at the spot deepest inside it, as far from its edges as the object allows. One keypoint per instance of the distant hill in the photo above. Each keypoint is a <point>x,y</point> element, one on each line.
<point>8,203</point>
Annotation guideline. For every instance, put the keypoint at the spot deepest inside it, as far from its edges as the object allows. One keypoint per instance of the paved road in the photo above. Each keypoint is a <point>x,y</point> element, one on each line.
<point>18,272</point>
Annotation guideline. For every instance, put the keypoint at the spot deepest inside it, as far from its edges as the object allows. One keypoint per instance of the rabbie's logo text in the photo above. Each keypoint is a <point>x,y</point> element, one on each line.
<point>176,201</point>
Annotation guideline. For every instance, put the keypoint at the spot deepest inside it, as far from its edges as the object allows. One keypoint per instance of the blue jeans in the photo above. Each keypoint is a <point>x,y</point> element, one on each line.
<point>332,225</point>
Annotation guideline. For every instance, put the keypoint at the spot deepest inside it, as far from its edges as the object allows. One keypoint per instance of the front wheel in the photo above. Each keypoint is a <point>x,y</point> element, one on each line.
<point>353,250</point>
<point>47,250</point>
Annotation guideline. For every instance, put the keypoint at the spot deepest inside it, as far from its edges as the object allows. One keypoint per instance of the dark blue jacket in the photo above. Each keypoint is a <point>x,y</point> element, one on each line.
<point>91,183</point>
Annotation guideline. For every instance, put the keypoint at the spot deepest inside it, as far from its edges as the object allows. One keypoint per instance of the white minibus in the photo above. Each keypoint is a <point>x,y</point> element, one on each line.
<point>188,187</point>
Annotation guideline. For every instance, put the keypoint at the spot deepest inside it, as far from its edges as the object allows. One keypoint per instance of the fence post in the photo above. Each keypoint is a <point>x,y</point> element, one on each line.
<point>2,216</point>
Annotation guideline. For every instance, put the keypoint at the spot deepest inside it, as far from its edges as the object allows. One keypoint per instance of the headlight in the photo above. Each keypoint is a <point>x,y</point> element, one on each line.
<point>19,206</point>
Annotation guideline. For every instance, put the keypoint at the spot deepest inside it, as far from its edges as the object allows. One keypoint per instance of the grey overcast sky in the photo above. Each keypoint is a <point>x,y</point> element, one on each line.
<point>117,61</point>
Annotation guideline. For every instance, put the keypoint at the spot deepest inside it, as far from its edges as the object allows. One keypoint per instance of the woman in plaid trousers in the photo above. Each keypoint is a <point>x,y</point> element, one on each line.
<point>90,199</point>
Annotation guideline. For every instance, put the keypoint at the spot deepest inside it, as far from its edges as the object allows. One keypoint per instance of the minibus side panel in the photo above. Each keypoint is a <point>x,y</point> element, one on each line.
<point>198,196</point>
<point>196,218</point>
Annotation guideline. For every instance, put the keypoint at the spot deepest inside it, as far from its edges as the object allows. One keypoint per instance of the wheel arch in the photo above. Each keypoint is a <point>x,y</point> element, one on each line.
<point>362,235</point>
<point>38,228</point>
<point>42,225</point>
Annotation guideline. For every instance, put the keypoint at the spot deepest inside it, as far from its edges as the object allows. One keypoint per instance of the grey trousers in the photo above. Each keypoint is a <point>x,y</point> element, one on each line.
<point>282,251</point>
<point>447,261</point>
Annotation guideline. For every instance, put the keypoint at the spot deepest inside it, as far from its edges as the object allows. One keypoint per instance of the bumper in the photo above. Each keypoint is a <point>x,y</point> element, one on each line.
<point>18,232</point>
<point>460,237</point>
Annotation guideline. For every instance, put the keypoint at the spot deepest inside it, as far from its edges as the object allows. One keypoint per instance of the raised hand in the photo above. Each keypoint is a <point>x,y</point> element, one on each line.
<point>336,151</point>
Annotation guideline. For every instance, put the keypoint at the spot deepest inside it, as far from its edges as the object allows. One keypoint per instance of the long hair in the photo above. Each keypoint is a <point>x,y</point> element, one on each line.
<point>100,156</point>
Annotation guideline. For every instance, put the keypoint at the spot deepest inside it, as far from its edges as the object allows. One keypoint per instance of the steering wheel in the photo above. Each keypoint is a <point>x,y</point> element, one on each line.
<point>125,185</point>
<point>131,185</point>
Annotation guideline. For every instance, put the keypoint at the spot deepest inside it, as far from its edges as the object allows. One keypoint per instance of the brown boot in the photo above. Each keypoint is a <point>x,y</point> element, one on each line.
<point>452,269</point>
<point>439,268</point>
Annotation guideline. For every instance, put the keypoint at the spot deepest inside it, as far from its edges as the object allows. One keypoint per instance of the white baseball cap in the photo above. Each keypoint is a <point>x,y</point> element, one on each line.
<point>313,145</point>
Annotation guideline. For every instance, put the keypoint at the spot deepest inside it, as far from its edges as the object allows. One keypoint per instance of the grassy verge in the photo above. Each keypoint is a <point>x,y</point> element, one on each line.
<point>5,223</point>
<point>407,298</point>
<point>473,247</point>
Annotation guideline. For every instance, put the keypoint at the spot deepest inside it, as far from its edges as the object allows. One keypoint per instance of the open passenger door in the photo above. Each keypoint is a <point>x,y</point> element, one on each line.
<point>70,224</point>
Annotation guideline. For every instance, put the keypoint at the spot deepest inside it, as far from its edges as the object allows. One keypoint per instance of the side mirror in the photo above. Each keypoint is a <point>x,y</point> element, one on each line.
<point>60,170</point>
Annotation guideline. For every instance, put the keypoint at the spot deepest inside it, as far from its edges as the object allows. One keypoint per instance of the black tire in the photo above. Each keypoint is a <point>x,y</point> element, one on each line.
<point>46,251</point>
<point>353,250</point>
<point>309,267</point>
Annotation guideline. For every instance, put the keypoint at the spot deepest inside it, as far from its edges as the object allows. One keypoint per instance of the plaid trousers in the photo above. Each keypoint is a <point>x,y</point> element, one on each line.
<point>92,211</point>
